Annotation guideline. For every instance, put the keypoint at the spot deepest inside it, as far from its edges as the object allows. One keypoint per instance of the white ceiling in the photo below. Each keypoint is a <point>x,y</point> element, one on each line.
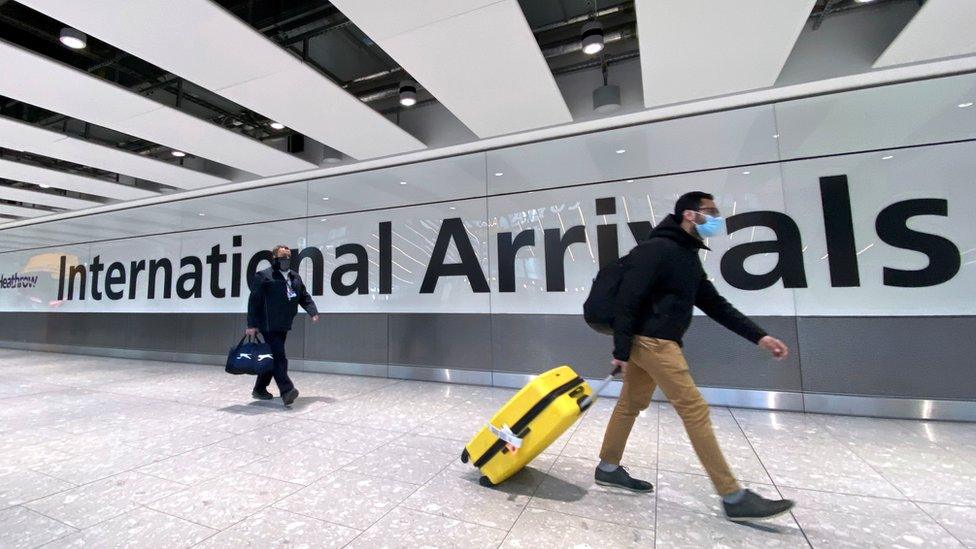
<point>941,28</point>
<point>7,209</point>
<point>70,182</point>
<point>45,199</point>
<point>20,136</point>
<point>477,57</point>
<point>692,49</point>
<point>201,42</point>
<point>57,87</point>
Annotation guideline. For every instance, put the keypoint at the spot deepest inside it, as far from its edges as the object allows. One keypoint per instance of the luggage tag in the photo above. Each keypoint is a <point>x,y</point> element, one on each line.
<point>512,442</point>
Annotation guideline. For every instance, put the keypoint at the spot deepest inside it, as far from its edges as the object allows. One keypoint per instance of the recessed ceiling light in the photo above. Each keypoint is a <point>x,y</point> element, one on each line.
<point>325,198</point>
<point>277,125</point>
<point>73,38</point>
<point>403,182</point>
<point>630,181</point>
<point>453,208</point>
<point>621,151</point>
<point>775,136</point>
<point>201,214</point>
<point>747,172</point>
<point>499,174</point>
<point>43,186</point>
<point>889,157</point>
<point>178,154</point>
<point>965,105</point>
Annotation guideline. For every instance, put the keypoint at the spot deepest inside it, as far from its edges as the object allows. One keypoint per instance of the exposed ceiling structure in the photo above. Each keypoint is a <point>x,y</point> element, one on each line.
<point>117,100</point>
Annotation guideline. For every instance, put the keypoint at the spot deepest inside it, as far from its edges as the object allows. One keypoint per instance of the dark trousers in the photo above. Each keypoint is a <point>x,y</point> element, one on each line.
<point>280,373</point>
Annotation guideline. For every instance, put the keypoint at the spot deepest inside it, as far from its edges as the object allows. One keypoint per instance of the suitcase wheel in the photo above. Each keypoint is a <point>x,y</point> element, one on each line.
<point>486,482</point>
<point>465,456</point>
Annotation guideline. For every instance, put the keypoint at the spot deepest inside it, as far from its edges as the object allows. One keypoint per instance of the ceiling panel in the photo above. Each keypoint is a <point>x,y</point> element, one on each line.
<point>69,181</point>
<point>691,49</point>
<point>941,28</point>
<point>7,209</point>
<point>57,87</point>
<point>208,46</point>
<point>45,199</point>
<point>480,59</point>
<point>20,136</point>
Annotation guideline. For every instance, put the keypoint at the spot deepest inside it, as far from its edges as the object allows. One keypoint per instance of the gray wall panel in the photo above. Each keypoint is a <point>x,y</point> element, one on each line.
<point>462,342</point>
<point>718,357</point>
<point>359,338</point>
<point>922,357</point>
<point>535,343</point>
<point>154,332</point>
<point>210,333</point>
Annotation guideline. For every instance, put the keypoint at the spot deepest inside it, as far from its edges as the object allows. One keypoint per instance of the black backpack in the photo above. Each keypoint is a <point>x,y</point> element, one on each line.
<point>599,305</point>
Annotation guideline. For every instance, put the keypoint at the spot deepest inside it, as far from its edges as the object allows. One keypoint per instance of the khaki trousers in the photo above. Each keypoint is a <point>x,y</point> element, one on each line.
<point>659,362</point>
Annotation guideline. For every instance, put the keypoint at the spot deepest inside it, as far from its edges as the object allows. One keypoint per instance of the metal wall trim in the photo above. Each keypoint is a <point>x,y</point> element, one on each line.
<point>441,375</point>
<point>340,368</point>
<point>888,407</point>
<point>898,408</point>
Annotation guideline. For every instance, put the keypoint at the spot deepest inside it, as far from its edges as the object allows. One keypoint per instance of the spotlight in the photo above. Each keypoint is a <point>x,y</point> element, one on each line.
<point>178,154</point>
<point>74,38</point>
<point>408,94</point>
<point>592,38</point>
<point>277,125</point>
<point>43,186</point>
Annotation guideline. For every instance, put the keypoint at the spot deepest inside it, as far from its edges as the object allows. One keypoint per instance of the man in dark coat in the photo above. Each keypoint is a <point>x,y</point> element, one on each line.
<point>664,279</point>
<point>276,293</point>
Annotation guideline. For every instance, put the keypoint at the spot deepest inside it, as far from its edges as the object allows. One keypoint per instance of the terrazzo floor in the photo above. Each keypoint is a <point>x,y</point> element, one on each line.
<point>98,452</point>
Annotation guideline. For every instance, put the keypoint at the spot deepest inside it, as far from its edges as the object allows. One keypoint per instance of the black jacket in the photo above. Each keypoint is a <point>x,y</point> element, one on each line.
<point>664,279</point>
<point>269,309</point>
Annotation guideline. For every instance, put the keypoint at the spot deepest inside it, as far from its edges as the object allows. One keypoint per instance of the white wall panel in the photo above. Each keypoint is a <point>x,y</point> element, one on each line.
<point>944,172</point>
<point>40,294</point>
<point>414,233</point>
<point>890,116</point>
<point>732,138</point>
<point>438,180</point>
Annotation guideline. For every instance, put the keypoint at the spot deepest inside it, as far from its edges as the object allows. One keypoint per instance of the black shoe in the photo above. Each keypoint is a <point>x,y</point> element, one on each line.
<point>261,394</point>
<point>752,506</point>
<point>620,478</point>
<point>290,396</point>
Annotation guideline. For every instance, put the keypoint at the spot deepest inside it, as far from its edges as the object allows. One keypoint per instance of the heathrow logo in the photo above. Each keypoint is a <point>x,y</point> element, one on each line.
<point>17,281</point>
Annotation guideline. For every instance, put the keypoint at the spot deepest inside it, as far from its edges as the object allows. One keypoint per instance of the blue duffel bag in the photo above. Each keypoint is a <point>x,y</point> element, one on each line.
<point>250,356</point>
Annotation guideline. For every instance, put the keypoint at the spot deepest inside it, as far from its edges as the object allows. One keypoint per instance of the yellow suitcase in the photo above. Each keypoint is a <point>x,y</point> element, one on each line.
<point>528,423</point>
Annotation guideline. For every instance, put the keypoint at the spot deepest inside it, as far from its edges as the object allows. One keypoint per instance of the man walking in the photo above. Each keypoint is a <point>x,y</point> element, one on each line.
<point>663,280</point>
<point>275,296</point>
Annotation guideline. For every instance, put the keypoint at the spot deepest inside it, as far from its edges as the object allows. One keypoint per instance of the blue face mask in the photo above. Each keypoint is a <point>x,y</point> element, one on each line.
<point>711,227</point>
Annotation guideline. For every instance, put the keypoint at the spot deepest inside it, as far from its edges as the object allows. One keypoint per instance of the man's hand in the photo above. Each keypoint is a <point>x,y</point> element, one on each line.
<point>618,366</point>
<point>251,331</point>
<point>777,348</point>
<point>315,318</point>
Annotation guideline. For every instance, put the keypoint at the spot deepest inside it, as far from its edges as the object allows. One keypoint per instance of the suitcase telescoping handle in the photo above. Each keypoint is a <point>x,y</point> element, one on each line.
<point>588,401</point>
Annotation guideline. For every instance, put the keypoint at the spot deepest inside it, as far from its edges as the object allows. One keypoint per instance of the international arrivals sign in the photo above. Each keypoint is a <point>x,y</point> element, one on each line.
<point>454,256</point>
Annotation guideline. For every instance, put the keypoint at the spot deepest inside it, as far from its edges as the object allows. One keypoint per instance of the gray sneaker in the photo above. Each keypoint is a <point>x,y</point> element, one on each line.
<point>261,394</point>
<point>752,506</point>
<point>620,478</point>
